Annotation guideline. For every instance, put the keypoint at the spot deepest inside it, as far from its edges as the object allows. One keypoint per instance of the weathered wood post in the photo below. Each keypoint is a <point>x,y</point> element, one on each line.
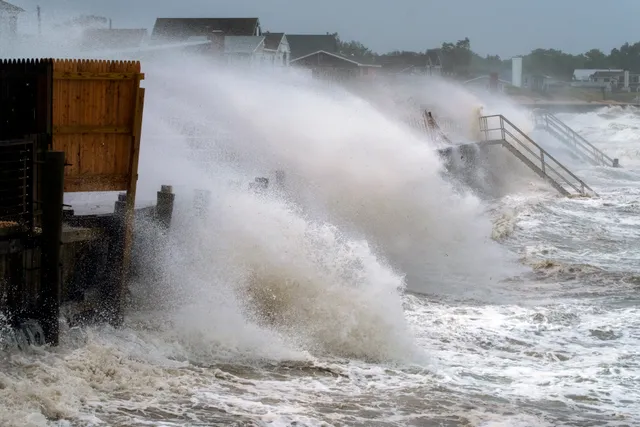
<point>52,201</point>
<point>164,206</point>
<point>201,201</point>
<point>120,206</point>
<point>113,289</point>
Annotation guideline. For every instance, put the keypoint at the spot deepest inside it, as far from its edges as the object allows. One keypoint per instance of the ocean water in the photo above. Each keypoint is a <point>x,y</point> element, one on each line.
<point>370,291</point>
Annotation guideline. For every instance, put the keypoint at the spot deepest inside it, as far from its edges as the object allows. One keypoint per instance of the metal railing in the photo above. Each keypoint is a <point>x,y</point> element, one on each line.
<point>565,134</point>
<point>497,127</point>
<point>438,130</point>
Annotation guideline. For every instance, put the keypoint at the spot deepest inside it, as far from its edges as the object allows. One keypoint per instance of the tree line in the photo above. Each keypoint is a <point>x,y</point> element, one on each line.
<point>458,58</point>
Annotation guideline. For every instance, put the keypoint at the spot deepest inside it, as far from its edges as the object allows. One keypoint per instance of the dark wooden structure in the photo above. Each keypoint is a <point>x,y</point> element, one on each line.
<point>67,126</point>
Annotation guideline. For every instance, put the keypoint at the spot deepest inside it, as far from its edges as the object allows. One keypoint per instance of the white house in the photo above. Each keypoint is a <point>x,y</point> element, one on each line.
<point>277,49</point>
<point>8,20</point>
<point>244,50</point>
<point>585,75</point>
<point>483,83</point>
<point>266,50</point>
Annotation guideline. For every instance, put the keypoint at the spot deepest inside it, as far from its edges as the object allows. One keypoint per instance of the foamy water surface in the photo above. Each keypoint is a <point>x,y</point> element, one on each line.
<point>282,310</point>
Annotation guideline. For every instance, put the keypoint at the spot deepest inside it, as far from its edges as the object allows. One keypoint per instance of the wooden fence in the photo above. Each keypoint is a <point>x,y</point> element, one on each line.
<point>97,119</point>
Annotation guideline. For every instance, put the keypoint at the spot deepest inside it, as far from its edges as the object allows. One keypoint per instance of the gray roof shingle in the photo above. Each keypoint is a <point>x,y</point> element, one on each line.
<point>272,40</point>
<point>8,7</point>
<point>304,44</point>
<point>183,28</point>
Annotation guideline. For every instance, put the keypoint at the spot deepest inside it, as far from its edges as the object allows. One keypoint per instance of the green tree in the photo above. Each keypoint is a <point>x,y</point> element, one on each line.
<point>595,58</point>
<point>353,48</point>
<point>552,62</point>
<point>457,57</point>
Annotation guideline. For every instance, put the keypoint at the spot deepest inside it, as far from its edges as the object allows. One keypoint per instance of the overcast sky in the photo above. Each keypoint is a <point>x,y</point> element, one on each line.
<point>504,27</point>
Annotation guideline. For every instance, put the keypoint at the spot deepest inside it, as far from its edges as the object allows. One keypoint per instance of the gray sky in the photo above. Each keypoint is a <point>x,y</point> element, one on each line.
<point>504,27</point>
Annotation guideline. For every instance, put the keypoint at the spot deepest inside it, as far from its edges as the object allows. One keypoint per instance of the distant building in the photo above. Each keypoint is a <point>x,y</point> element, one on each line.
<point>277,48</point>
<point>304,44</point>
<point>487,83</point>
<point>435,61</point>
<point>238,40</point>
<point>182,29</point>
<point>244,49</point>
<point>585,74</point>
<point>8,20</point>
<point>538,82</point>
<point>333,66</point>
<point>609,79</point>
<point>319,53</point>
<point>412,63</point>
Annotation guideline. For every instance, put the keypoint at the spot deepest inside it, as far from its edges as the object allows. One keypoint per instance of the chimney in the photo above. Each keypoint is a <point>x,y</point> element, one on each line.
<point>626,80</point>
<point>516,71</point>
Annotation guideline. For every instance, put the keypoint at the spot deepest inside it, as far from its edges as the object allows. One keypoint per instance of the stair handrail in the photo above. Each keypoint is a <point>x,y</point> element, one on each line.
<point>576,136</point>
<point>554,119</point>
<point>561,133</point>
<point>543,153</point>
<point>545,156</point>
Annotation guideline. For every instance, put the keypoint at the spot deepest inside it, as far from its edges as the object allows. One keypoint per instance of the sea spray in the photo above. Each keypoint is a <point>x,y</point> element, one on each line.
<point>258,260</point>
<point>348,164</point>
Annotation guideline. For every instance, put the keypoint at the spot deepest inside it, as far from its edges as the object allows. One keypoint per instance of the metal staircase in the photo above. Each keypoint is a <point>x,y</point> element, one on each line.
<point>563,133</point>
<point>496,129</point>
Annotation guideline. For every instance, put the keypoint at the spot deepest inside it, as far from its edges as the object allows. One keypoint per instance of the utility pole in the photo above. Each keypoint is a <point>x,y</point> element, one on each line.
<point>39,21</point>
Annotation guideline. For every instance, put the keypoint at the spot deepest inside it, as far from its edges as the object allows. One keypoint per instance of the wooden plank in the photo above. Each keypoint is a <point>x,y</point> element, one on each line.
<point>70,75</point>
<point>68,130</point>
<point>106,182</point>
<point>79,234</point>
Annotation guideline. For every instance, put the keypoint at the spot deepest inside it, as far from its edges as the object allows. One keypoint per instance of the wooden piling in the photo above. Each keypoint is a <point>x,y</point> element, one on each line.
<point>52,201</point>
<point>120,206</point>
<point>164,206</point>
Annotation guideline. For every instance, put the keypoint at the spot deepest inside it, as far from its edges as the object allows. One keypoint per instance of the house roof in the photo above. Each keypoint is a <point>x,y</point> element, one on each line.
<point>8,7</point>
<point>304,44</point>
<point>486,77</point>
<point>97,38</point>
<point>242,44</point>
<point>583,74</point>
<point>403,61</point>
<point>183,28</point>
<point>272,40</point>
<point>608,73</point>
<point>359,61</point>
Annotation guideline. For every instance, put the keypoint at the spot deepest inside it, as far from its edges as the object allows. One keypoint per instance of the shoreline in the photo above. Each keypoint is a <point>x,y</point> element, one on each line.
<point>569,106</point>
